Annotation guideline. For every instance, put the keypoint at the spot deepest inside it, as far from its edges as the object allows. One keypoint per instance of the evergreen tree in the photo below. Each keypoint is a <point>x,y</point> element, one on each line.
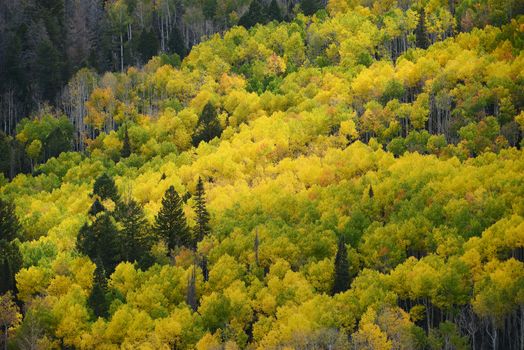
<point>191,297</point>
<point>310,7</point>
<point>5,154</point>
<point>9,225</point>
<point>342,277</point>
<point>208,125</point>
<point>177,44</point>
<point>100,242</point>
<point>148,45</point>
<point>135,234</point>
<point>371,193</point>
<point>126,149</point>
<point>10,257</point>
<point>209,8</point>
<point>202,219</point>
<point>59,140</point>
<point>421,34</point>
<point>204,267</point>
<point>170,223</point>
<point>96,208</point>
<point>257,13</point>
<point>273,12</point>
<point>97,299</point>
<point>105,188</point>
<point>48,69</point>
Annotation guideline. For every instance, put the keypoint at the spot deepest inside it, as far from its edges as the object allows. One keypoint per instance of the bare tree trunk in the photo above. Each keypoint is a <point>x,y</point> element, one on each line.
<point>121,52</point>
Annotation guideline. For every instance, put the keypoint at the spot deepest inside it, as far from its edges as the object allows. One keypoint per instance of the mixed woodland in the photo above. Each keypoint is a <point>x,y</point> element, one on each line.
<point>303,175</point>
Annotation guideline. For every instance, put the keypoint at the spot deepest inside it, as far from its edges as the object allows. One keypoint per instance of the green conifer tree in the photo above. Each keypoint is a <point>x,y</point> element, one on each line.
<point>135,234</point>
<point>126,149</point>
<point>96,208</point>
<point>208,125</point>
<point>310,7</point>
<point>147,45</point>
<point>204,267</point>
<point>97,299</point>
<point>191,297</point>
<point>10,257</point>
<point>202,215</point>
<point>105,188</point>
<point>101,242</point>
<point>257,13</point>
<point>342,277</point>
<point>170,222</point>
<point>273,12</point>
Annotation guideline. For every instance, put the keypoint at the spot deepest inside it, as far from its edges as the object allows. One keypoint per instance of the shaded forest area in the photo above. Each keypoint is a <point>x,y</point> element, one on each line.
<point>43,43</point>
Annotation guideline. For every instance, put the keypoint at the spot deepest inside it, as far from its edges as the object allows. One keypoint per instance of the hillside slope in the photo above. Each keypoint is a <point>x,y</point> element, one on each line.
<point>364,182</point>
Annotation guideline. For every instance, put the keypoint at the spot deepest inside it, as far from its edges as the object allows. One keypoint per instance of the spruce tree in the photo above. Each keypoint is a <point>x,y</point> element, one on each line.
<point>126,149</point>
<point>209,8</point>
<point>170,222</point>
<point>147,45</point>
<point>135,234</point>
<point>105,188</point>
<point>342,277</point>
<point>9,225</point>
<point>96,208</point>
<point>273,11</point>
<point>10,256</point>
<point>310,7</point>
<point>177,44</point>
<point>97,299</point>
<point>256,14</point>
<point>421,35</point>
<point>202,215</point>
<point>204,267</point>
<point>100,241</point>
<point>208,126</point>
<point>191,297</point>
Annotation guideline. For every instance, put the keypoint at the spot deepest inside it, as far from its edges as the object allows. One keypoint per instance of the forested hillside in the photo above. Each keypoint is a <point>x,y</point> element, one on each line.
<point>348,177</point>
<point>44,43</point>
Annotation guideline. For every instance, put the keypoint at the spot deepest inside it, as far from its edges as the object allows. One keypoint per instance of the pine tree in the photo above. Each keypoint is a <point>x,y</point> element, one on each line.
<point>202,219</point>
<point>105,188</point>
<point>170,223</point>
<point>256,14</point>
<point>204,267</point>
<point>209,8</point>
<point>10,256</point>
<point>126,149</point>
<point>135,234</point>
<point>96,208</point>
<point>208,125</point>
<point>100,241</point>
<point>147,45</point>
<point>97,299</point>
<point>310,7</point>
<point>177,44</point>
<point>273,12</point>
<point>191,297</point>
<point>421,35</point>
<point>342,277</point>
<point>9,225</point>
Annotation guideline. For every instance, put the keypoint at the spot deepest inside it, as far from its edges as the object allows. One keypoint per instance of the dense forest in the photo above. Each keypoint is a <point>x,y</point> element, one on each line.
<point>234,174</point>
<point>44,43</point>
